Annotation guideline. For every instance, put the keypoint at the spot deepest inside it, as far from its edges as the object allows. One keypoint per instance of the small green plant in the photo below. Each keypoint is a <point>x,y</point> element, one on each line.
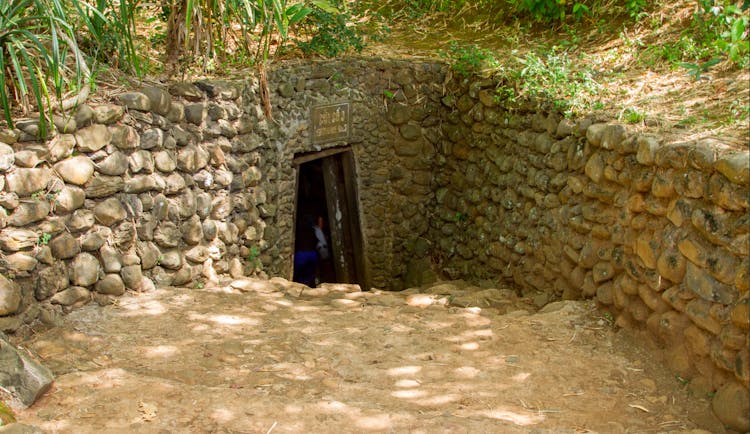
<point>633,116</point>
<point>635,8</point>
<point>159,260</point>
<point>609,318</point>
<point>44,239</point>
<point>469,59</point>
<point>554,78</point>
<point>388,94</point>
<point>695,70</point>
<point>199,285</point>
<point>253,258</point>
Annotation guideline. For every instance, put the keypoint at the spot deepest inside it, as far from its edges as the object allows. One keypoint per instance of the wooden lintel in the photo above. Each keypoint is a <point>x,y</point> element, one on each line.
<point>302,159</point>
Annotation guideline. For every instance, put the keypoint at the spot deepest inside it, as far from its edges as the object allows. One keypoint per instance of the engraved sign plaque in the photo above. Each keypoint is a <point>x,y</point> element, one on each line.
<point>330,122</point>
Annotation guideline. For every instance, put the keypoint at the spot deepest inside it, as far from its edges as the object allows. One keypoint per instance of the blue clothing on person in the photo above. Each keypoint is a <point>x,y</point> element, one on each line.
<point>305,267</point>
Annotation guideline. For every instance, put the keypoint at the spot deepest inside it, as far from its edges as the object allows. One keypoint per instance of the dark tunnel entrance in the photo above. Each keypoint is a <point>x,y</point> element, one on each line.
<point>328,245</point>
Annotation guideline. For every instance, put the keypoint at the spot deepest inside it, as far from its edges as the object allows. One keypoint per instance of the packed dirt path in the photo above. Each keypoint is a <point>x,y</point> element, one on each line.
<point>261,356</point>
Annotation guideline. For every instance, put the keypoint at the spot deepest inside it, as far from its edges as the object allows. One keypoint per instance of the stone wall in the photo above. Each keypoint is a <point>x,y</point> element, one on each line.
<point>656,233</point>
<point>396,113</point>
<point>176,186</point>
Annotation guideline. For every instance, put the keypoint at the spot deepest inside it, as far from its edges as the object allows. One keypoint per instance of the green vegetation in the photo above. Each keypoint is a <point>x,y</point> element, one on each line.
<point>253,258</point>
<point>50,49</point>
<point>633,116</point>
<point>332,34</point>
<point>44,239</point>
<point>469,59</point>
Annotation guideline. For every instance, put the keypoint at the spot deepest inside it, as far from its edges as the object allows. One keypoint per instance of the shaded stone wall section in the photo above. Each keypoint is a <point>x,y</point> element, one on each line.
<point>655,233</point>
<point>395,115</point>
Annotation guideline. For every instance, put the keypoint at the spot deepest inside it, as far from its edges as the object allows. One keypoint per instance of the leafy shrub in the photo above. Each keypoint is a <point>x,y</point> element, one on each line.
<point>721,29</point>
<point>469,59</point>
<point>332,31</point>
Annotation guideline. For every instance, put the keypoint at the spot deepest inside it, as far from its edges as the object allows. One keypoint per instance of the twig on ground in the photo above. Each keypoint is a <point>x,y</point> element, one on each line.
<point>272,427</point>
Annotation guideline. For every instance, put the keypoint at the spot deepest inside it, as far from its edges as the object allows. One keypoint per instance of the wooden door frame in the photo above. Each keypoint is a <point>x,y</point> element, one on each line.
<point>353,228</point>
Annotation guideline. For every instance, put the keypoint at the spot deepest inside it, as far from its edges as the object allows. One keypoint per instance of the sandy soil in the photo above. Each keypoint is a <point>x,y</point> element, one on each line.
<point>265,356</point>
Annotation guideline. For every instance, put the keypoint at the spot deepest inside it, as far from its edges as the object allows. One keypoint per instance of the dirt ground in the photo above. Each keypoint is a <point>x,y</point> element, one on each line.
<point>259,356</point>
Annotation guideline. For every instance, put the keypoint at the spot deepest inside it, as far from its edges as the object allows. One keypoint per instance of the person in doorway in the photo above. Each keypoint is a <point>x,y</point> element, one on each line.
<point>310,248</point>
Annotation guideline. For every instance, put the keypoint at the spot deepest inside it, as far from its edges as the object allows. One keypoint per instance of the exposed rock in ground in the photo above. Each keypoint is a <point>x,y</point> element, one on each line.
<point>22,377</point>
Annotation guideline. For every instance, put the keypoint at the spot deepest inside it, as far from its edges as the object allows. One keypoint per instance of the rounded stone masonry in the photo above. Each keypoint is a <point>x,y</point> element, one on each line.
<point>179,186</point>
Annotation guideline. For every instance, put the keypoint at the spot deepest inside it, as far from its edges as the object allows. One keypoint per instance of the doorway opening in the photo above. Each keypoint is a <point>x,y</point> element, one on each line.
<point>326,199</point>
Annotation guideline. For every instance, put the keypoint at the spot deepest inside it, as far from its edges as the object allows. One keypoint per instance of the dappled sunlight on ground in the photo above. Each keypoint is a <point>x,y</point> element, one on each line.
<point>262,356</point>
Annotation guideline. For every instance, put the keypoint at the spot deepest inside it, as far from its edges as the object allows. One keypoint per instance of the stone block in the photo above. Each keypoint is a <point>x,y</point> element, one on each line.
<point>23,377</point>
<point>110,212</point>
<point>672,326</point>
<point>125,137</point>
<point>690,183</point>
<point>106,114</point>
<point>74,295</point>
<point>735,167</point>
<point>663,184</point>
<point>612,136</point>
<point>647,249</point>
<point>60,147</point>
<point>195,113</point>
<point>159,99</point>
<point>733,337</point>
<point>24,182</point>
<point>76,170</point>
<point>192,158</point>
<point>141,161</point>
<point>594,168</point>
<point>647,147</point>
<point>152,139</point>
<point>740,314</point>
<point>7,157</point>
<point>652,299</point>
<point>680,211</point>
<point>84,270</point>
<point>671,265</point>
<point>132,276</point>
<point>698,310</point>
<point>707,287</point>
<point>10,296</point>
<point>29,212</point>
<point>103,186</point>
<point>135,101</point>
<point>727,195</point>
<point>742,278</point>
<point>111,284</point>
<point>698,341</point>
<point>93,138</point>
<point>64,246</point>
<point>80,220</point>
<point>595,133</point>
<point>677,297</point>
<point>114,164</point>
